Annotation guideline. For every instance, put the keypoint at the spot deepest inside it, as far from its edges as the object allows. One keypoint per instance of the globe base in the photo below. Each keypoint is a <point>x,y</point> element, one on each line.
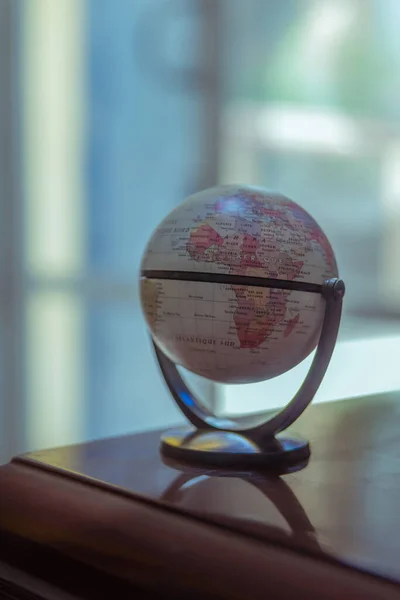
<point>230,450</point>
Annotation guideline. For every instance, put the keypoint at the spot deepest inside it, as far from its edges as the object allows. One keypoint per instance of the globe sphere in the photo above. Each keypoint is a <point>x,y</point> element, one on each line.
<point>233,332</point>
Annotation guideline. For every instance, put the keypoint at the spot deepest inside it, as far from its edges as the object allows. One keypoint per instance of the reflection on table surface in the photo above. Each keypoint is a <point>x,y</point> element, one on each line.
<point>345,502</point>
<point>254,503</point>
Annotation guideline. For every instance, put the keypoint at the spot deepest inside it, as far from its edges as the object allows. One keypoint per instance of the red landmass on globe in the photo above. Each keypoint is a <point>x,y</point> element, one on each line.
<point>201,239</point>
<point>257,312</point>
<point>291,325</point>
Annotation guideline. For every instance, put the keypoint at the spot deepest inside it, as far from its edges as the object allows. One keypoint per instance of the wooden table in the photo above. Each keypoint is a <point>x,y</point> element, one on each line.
<point>111,519</point>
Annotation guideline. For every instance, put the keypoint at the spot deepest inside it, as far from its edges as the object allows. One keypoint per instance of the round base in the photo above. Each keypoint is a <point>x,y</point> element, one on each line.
<point>225,449</point>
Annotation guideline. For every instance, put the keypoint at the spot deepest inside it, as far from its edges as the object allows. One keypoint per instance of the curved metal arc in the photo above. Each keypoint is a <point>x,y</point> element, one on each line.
<point>201,418</point>
<point>326,345</point>
<point>196,413</point>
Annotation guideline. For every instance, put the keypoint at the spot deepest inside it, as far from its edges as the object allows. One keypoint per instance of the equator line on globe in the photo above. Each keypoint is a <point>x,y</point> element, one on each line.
<point>231,284</point>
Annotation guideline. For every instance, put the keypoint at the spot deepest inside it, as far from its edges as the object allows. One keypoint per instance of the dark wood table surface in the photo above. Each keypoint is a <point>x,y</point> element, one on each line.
<point>341,512</point>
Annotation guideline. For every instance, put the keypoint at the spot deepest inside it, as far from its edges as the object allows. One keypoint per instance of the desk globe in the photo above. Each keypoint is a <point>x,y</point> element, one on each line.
<point>233,288</point>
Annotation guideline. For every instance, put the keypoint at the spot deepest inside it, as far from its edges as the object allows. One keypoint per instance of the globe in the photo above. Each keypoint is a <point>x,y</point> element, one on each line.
<point>221,327</point>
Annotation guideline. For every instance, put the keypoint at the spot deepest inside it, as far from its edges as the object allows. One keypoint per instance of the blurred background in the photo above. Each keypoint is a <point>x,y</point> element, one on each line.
<point>111,113</point>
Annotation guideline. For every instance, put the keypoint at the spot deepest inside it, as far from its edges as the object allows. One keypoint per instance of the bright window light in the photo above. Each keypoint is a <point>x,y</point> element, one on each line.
<point>358,367</point>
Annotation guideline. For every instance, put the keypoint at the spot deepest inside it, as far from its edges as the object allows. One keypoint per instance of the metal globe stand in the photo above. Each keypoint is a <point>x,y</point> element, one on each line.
<point>225,443</point>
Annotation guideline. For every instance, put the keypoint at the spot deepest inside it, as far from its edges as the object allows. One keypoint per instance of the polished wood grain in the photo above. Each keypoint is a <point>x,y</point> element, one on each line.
<point>341,512</point>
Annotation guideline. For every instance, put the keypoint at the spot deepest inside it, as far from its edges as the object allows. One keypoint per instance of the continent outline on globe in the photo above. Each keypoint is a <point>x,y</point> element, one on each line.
<point>240,231</point>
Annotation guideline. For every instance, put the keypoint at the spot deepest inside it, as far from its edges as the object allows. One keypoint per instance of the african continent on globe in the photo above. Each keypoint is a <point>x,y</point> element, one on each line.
<point>236,333</point>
